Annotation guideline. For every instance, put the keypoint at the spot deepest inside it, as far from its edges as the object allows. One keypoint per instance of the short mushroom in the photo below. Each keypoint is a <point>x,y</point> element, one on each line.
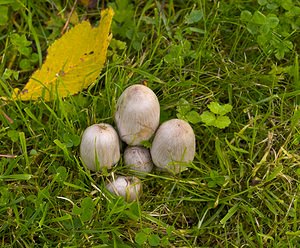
<point>130,188</point>
<point>138,159</point>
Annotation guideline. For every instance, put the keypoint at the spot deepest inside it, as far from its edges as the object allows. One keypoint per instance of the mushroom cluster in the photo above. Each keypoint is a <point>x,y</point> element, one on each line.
<point>137,122</point>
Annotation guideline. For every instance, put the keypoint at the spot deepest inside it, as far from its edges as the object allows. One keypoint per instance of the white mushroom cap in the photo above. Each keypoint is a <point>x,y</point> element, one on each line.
<point>137,114</point>
<point>138,159</point>
<point>173,146</point>
<point>100,147</point>
<point>130,188</point>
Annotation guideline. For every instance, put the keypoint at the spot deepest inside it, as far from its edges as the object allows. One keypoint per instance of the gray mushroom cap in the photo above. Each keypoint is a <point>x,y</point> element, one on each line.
<point>174,146</point>
<point>138,159</point>
<point>130,188</point>
<point>137,114</point>
<point>100,147</point>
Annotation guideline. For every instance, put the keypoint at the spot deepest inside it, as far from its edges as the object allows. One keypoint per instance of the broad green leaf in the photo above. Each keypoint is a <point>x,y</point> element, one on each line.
<point>86,215</point>
<point>133,212</point>
<point>218,109</point>
<point>246,16</point>
<point>253,28</point>
<point>170,230</point>
<point>193,117</point>
<point>287,4</point>
<point>86,210</point>
<point>295,11</point>
<point>208,118</point>
<point>183,106</point>
<point>272,6</point>
<point>19,41</point>
<point>272,21</point>
<point>226,108</point>
<point>154,240</point>
<point>10,74</point>
<point>71,139</point>
<point>288,44</point>
<point>13,135</point>
<point>282,48</point>
<point>87,203</point>
<point>262,2</point>
<point>140,238</point>
<point>123,20</point>
<point>262,40</point>
<point>147,230</point>
<point>62,173</point>
<point>259,18</point>
<point>194,16</point>
<point>211,184</point>
<point>214,175</point>
<point>73,62</point>
<point>25,64</point>
<point>26,51</point>
<point>76,210</point>
<point>3,15</point>
<point>33,152</point>
<point>222,122</point>
<point>264,29</point>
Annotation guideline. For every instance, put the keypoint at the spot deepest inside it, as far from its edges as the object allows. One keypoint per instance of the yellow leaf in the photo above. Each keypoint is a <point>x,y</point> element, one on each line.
<point>73,62</point>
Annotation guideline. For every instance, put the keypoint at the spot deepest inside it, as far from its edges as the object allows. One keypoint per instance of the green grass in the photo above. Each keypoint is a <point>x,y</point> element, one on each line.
<point>242,189</point>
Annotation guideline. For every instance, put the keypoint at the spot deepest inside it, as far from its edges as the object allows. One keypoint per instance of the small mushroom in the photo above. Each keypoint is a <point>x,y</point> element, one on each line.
<point>137,114</point>
<point>130,188</point>
<point>138,159</point>
<point>100,147</point>
<point>173,146</point>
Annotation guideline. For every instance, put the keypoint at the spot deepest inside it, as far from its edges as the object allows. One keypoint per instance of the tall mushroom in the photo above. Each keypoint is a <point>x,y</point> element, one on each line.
<point>137,114</point>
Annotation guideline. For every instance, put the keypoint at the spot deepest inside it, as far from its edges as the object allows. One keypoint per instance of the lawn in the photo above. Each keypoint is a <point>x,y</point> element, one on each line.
<point>229,68</point>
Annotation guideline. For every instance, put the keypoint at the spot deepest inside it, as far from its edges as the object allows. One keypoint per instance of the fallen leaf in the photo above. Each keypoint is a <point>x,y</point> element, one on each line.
<point>73,62</point>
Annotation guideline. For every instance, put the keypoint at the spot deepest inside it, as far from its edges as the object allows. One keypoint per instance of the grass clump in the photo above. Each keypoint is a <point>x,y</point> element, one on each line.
<point>242,188</point>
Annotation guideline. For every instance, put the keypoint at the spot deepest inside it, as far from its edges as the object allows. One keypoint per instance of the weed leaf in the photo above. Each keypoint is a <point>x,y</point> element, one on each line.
<point>73,63</point>
<point>3,15</point>
<point>272,21</point>
<point>193,117</point>
<point>183,107</point>
<point>222,122</point>
<point>208,118</point>
<point>140,238</point>
<point>194,16</point>
<point>259,18</point>
<point>262,2</point>
<point>154,240</point>
<point>218,109</point>
<point>246,16</point>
